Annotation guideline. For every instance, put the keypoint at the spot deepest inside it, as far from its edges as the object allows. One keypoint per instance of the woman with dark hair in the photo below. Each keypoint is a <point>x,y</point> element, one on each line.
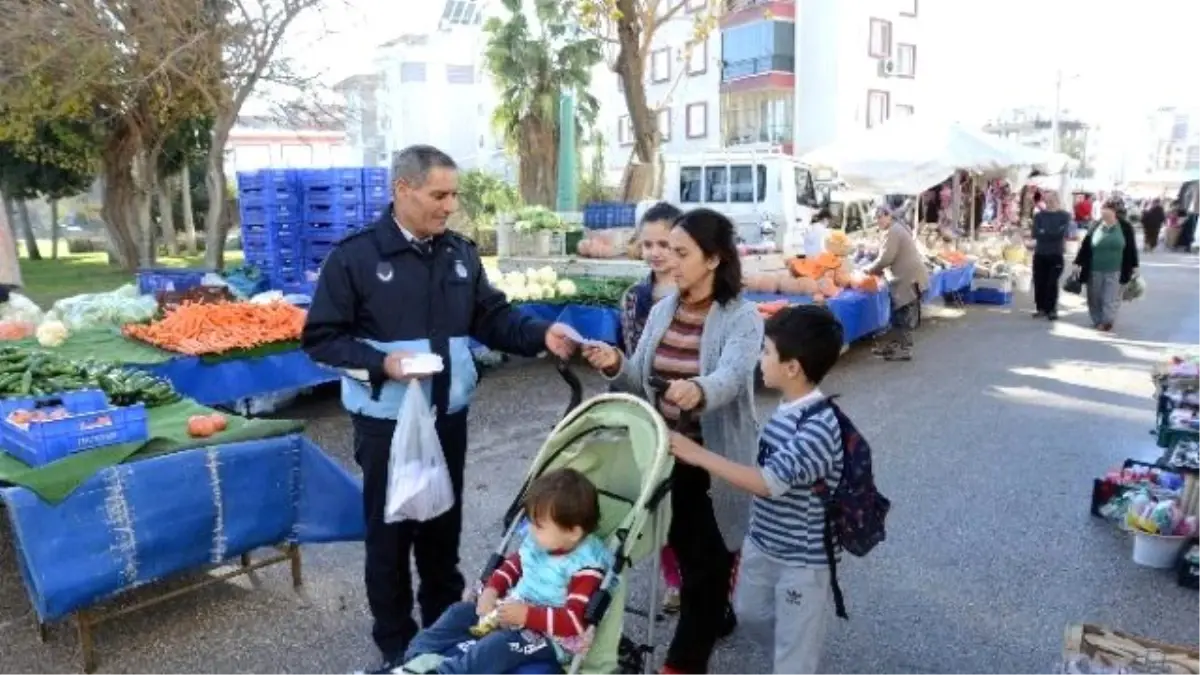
<point>704,339</point>
<point>652,237</point>
<point>1106,261</point>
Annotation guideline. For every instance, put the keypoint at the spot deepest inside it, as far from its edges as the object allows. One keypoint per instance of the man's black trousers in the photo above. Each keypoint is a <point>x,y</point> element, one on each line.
<point>434,544</point>
<point>1047,270</point>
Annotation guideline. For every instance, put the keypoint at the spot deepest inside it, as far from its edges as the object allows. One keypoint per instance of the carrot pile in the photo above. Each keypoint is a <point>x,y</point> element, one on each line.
<point>212,328</point>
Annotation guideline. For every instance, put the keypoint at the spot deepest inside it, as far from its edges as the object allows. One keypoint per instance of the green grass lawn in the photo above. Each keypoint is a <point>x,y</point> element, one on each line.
<point>73,273</point>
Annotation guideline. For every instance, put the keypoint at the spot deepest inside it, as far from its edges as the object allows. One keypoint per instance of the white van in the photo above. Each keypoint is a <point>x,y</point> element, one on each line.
<point>767,194</point>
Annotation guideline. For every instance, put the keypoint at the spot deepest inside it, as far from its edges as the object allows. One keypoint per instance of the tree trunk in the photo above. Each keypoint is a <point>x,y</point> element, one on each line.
<point>10,266</point>
<point>189,217</point>
<point>215,224</point>
<point>631,68</point>
<point>54,231</point>
<point>538,163</point>
<point>166,217</point>
<point>118,210</point>
<point>31,246</point>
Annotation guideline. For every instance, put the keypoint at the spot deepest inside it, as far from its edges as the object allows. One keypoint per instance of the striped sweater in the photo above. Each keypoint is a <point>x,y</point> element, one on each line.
<point>677,357</point>
<point>795,451</point>
<point>563,621</point>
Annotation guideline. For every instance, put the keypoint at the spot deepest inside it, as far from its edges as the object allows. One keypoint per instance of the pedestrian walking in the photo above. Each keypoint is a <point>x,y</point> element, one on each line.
<point>909,279</point>
<point>1153,219</point>
<point>401,286</point>
<point>1050,229</point>
<point>1106,261</point>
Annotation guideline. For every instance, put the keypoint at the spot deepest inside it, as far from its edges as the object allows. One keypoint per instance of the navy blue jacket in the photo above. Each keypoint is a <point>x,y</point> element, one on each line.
<point>378,292</point>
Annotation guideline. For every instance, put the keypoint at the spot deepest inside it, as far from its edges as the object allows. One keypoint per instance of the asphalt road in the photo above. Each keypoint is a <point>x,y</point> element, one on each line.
<point>987,444</point>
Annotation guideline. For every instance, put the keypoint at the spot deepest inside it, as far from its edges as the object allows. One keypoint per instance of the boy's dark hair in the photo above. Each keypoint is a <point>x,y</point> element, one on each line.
<point>566,497</point>
<point>808,334</point>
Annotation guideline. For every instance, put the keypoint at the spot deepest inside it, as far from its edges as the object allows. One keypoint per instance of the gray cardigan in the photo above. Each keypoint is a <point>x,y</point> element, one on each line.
<point>729,349</point>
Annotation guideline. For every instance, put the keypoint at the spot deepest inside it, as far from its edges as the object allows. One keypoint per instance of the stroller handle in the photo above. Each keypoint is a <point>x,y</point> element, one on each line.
<point>660,385</point>
<point>572,380</point>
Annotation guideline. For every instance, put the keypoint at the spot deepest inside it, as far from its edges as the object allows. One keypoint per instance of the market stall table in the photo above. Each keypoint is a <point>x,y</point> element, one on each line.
<point>592,322</point>
<point>209,380</point>
<point>950,280</point>
<point>861,314</point>
<point>96,524</point>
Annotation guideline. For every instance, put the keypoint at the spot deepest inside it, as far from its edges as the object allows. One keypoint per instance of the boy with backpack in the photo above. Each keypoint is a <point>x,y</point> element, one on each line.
<point>813,493</point>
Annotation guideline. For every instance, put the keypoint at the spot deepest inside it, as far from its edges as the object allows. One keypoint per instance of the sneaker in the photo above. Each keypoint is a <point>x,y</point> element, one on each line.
<point>390,665</point>
<point>1053,316</point>
<point>1039,314</point>
<point>884,350</point>
<point>899,354</point>
<point>670,602</point>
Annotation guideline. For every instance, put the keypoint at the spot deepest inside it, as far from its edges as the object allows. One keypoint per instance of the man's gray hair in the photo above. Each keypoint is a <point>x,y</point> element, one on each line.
<point>412,164</point>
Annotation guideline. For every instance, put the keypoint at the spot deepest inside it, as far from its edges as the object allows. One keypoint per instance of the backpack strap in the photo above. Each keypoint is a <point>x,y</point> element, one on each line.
<point>821,489</point>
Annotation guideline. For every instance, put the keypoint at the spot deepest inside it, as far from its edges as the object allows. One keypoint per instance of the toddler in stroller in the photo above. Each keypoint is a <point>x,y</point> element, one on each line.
<point>569,607</point>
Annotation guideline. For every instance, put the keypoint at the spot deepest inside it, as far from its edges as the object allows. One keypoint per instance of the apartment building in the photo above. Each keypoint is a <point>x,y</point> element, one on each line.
<point>682,83</point>
<point>260,142</point>
<point>1174,140</point>
<point>364,131</point>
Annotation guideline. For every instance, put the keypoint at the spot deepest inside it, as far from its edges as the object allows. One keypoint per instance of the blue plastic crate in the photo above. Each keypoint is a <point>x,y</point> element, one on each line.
<point>272,196</point>
<point>373,211</point>
<point>310,178</point>
<point>270,214</point>
<point>377,193</point>
<point>332,214</point>
<point>264,178</point>
<point>275,241</point>
<point>990,296</point>
<point>319,233</point>
<point>89,422</point>
<point>286,231</point>
<point>333,196</point>
<point>375,175</point>
<point>157,280</point>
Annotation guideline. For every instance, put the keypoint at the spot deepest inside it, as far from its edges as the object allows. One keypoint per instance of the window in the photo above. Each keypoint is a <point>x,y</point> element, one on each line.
<point>880,45</point>
<point>902,110</point>
<point>696,120</point>
<point>908,7</point>
<point>412,72</point>
<point>460,74</point>
<point>660,65</point>
<point>664,123</point>
<point>906,60</point>
<point>698,58</point>
<point>747,183</point>
<point>716,181</point>
<point>854,218</point>
<point>878,104</point>
<point>690,184</point>
<point>758,47</point>
<point>696,5</point>
<point>625,130</point>
<point>806,194</point>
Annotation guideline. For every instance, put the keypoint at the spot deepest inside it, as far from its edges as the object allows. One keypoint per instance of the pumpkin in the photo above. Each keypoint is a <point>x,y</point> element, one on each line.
<point>804,268</point>
<point>827,288</point>
<point>798,286</point>
<point>841,278</point>
<point>601,248</point>
<point>837,243</point>
<point>200,426</point>
<point>633,250</point>
<point>584,247</point>
<point>218,421</point>
<point>828,261</point>
<point>868,283</point>
<point>763,283</point>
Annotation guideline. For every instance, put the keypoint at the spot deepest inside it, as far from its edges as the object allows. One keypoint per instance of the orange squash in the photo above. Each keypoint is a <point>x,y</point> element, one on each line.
<point>799,286</point>
<point>828,261</point>
<point>841,278</point>
<point>200,426</point>
<point>827,288</point>
<point>218,421</point>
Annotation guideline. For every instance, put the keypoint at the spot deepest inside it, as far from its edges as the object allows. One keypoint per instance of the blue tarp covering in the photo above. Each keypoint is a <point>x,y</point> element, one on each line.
<point>240,379</point>
<point>140,522</point>
<point>862,314</point>
<point>594,323</point>
<point>954,279</point>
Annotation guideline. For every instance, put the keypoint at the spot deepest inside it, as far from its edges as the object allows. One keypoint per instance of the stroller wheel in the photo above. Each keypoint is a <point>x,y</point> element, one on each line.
<point>631,656</point>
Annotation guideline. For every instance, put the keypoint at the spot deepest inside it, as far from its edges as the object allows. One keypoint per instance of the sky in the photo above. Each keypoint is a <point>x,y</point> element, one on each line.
<point>1119,59</point>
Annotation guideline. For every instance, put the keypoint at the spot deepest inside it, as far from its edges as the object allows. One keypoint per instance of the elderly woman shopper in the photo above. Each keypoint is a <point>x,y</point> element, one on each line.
<point>1106,261</point>
<point>908,278</point>
<point>703,338</point>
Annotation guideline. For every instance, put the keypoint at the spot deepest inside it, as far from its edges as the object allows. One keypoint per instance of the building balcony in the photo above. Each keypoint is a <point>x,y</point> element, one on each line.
<point>776,134</point>
<point>738,12</point>
<point>776,63</point>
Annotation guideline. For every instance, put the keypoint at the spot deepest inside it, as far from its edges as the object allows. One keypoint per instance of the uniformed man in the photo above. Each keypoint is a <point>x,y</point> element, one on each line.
<point>407,285</point>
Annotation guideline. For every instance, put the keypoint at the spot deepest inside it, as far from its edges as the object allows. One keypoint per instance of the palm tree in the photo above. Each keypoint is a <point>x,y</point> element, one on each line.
<point>534,55</point>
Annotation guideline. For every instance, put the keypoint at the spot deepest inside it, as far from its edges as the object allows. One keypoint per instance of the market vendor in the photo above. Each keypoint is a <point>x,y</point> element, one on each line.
<point>408,285</point>
<point>908,278</point>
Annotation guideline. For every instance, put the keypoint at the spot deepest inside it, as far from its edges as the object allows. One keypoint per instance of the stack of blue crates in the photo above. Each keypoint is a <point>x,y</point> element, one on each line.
<point>336,203</point>
<point>271,213</point>
<point>605,215</point>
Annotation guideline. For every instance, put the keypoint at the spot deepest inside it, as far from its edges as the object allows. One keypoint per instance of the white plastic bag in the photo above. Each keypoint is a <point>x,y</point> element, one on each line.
<point>419,485</point>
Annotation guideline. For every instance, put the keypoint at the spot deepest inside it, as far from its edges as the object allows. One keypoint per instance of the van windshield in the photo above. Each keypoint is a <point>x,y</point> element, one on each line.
<point>806,195</point>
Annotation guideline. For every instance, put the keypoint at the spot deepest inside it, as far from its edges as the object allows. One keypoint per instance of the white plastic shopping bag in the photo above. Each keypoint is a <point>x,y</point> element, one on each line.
<point>418,481</point>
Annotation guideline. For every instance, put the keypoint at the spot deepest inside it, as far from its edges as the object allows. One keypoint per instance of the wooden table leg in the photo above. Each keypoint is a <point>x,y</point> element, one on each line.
<point>83,624</point>
<point>293,552</point>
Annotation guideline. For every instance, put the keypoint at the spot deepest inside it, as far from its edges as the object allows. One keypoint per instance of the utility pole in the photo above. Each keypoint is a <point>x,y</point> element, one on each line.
<point>1055,142</point>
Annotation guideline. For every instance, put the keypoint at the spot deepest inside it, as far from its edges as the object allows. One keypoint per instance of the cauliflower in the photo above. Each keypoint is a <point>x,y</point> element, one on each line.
<point>535,292</point>
<point>51,333</point>
<point>547,276</point>
<point>517,294</point>
<point>566,288</point>
<point>547,291</point>
<point>514,280</point>
<point>531,277</point>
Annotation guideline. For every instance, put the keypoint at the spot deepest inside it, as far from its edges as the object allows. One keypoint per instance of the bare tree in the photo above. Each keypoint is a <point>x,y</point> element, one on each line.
<point>628,27</point>
<point>252,31</point>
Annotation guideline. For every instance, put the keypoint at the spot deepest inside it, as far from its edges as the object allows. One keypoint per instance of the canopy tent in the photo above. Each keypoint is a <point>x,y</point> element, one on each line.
<point>912,154</point>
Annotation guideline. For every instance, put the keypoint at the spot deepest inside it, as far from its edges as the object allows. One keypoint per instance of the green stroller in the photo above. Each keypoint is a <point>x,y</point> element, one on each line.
<point>620,443</point>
